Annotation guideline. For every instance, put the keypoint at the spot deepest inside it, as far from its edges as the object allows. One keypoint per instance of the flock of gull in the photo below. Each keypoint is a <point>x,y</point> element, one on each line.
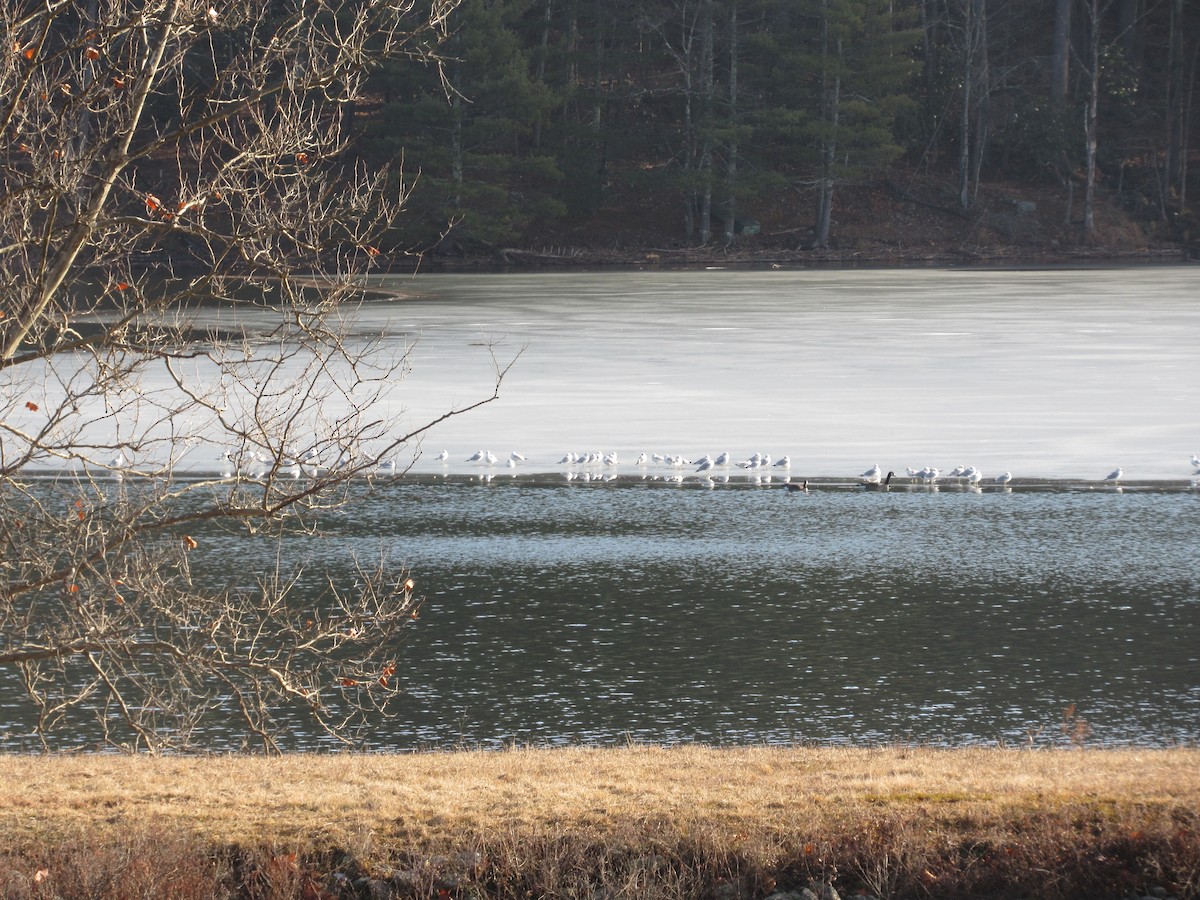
<point>584,465</point>
<point>596,464</point>
<point>611,459</point>
<point>257,465</point>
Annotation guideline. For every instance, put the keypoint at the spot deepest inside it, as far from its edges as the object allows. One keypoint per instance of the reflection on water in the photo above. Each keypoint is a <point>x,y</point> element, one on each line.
<point>605,612</point>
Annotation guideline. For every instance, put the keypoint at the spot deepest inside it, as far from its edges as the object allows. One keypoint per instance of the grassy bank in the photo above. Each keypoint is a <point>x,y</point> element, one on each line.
<point>637,822</point>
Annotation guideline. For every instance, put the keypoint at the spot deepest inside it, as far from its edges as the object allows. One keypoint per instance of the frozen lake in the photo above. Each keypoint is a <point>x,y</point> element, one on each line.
<point>1047,373</point>
<point>600,604</point>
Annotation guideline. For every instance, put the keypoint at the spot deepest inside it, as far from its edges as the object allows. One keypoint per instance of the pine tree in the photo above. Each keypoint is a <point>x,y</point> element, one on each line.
<point>474,136</point>
<point>837,73</point>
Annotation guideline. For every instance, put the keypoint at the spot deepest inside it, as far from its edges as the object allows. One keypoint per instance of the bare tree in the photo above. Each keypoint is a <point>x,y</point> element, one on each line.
<point>975,90</point>
<point>182,243</point>
<point>831,58</point>
<point>1091,121</point>
<point>1060,58</point>
<point>688,53</point>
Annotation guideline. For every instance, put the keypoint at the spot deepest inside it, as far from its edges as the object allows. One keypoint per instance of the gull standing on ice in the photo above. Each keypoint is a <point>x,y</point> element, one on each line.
<point>1003,478</point>
<point>1115,474</point>
<point>873,475</point>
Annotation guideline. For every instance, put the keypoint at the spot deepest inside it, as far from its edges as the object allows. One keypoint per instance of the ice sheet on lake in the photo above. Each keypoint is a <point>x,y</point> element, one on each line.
<point>1049,373</point>
<point>1056,373</point>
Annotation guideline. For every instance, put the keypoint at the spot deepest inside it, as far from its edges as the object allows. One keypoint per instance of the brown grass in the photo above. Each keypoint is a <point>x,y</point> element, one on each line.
<point>637,822</point>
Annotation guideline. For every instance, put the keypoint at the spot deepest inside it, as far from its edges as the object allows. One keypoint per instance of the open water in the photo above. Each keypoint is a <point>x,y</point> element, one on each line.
<point>637,610</point>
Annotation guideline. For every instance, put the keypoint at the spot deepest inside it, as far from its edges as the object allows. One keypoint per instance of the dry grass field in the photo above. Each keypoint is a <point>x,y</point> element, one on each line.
<point>580,822</point>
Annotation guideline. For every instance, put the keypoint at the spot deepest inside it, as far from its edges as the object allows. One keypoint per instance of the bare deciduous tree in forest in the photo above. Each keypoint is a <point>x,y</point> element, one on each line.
<point>182,242</point>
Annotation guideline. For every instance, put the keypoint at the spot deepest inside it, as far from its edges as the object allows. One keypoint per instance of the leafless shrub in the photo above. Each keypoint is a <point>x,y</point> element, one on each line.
<point>182,245</point>
<point>137,863</point>
<point>1076,852</point>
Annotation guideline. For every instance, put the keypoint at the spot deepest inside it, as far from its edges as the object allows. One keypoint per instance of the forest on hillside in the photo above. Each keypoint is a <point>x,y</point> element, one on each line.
<point>699,113</point>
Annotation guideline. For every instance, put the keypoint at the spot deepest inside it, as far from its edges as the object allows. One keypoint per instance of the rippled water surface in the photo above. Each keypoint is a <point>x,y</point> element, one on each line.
<point>637,610</point>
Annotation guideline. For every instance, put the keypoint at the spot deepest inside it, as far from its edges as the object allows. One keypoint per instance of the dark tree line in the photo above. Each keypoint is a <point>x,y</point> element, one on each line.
<point>560,107</point>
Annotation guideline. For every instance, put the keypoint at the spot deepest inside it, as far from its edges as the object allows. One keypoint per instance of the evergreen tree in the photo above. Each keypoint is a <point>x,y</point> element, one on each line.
<point>836,73</point>
<point>561,108</point>
<point>483,179</point>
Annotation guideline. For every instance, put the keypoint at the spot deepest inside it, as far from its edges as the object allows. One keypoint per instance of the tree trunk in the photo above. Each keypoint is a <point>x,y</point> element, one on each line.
<point>1069,212</point>
<point>1089,195</point>
<point>1187,129</point>
<point>983,91</point>
<point>572,45</point>
<point>689,135</point>
<point>685,58</point>
<point>1060,59</point>
<point>541,68</point>
<point>708,88</point>
<point>1175,113</point>
<point>964,125</point>
<point>831,111</point>
<point>731,164</point>
<point>929,21</point>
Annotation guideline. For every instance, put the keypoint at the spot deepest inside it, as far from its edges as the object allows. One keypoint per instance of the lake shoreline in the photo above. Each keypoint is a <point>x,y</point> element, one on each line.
<point>895,222</point>
<point>667,258</point>
<point>643,821</point>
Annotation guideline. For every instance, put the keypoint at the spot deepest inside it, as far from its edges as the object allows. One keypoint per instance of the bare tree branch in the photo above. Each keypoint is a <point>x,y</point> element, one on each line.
<point>183,244</point>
